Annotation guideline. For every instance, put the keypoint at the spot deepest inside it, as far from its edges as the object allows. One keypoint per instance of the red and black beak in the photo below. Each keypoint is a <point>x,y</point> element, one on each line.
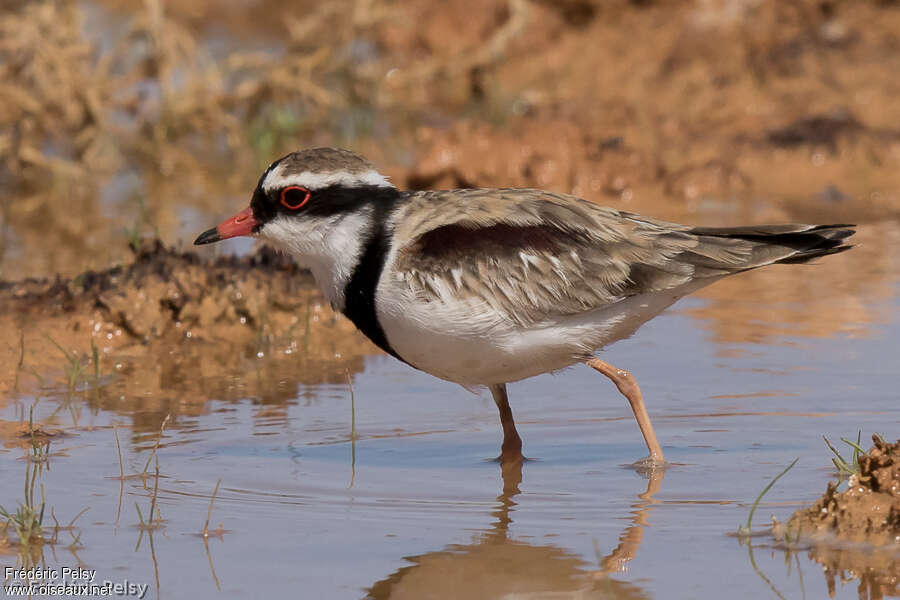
<point>242,223</point>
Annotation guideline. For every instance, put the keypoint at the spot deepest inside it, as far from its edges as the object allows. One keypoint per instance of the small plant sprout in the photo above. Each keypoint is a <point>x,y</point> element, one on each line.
<point>76,539</point>
<point>119,449</point>
<point>209,511</point>
<point>121,473</point>
<point>154,519</point>
<point>353,434</point>
<point>95,355</point>
<point>28,519</point>
<point>219,531</point>
<point>142,218</point>
<point>155,447</point>
<point>745,530</point>
<point>153,507</point>
<point>73,367</point>
<point>40,450</point>
<point>847,468</point>
<point>21,362</point>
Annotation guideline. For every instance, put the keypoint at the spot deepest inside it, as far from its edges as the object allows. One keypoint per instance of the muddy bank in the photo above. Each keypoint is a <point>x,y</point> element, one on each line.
<point>868,510</point>
<point>855,534</point>
<point>173,331</point>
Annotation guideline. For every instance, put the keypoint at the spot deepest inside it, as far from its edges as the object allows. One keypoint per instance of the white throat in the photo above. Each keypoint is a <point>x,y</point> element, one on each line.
<point>330,247</point>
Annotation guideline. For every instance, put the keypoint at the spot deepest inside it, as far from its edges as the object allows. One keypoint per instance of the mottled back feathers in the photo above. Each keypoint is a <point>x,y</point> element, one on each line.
<point>534,255</point>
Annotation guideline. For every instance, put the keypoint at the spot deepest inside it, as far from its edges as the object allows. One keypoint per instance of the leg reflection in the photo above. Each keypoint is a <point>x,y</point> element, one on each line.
<point>512,477</point>
<point>631,538</point>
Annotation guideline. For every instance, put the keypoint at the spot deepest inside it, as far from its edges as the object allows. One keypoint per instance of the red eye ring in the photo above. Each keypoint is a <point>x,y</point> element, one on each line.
<point>286,202</point>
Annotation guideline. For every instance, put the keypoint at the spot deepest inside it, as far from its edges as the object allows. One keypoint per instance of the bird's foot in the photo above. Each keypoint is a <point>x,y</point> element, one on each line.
<point>510,458</point>
<point>511,450</point>
<point>650,464</point>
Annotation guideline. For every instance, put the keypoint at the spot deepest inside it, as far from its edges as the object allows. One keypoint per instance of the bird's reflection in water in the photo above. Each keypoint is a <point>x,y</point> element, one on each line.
<point>497,566</point>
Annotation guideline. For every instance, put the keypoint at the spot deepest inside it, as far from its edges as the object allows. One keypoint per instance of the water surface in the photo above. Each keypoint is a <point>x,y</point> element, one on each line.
<point>413,508</point>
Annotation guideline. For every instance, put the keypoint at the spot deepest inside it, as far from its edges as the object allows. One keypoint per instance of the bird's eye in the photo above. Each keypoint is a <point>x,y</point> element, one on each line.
<point>294,197</point>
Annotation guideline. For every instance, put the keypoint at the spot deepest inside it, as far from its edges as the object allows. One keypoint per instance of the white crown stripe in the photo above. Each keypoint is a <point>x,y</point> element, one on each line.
<point>316,181</point>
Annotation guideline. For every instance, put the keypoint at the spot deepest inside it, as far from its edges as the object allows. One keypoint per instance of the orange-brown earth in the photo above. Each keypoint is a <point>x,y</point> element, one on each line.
<point>869,509</point>
<point>855,534</point>
<point>174,331</point>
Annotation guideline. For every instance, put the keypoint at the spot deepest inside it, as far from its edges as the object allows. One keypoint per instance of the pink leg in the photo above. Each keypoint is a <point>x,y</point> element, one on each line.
<point>629,388</point>
<point>511,450</point>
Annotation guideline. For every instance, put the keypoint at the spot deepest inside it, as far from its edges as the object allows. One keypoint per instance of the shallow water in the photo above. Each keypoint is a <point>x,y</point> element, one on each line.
<point>413,508</point>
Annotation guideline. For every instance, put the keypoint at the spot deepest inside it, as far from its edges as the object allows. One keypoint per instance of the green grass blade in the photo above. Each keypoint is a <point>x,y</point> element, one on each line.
<point>763,493</point>
<point>833,449</point>
<point>856,447</point>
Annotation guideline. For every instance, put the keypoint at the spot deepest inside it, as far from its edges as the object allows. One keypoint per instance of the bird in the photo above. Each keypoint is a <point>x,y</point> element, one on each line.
<point>484,287</point>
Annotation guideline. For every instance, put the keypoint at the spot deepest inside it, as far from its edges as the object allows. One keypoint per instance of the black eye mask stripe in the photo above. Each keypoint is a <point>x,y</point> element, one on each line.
<point>324,202</point>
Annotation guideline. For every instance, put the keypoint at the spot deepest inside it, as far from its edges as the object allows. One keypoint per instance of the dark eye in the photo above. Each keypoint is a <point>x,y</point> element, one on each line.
<point>293,197</point>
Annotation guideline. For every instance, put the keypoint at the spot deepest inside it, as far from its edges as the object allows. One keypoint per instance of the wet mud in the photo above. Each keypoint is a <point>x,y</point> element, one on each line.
<point>854,534</point>
<point>868,510</point>
<point>174,322</point>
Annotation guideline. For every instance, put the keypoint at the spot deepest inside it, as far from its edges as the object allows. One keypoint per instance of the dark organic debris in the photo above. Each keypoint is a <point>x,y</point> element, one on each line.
<point>816,130</point>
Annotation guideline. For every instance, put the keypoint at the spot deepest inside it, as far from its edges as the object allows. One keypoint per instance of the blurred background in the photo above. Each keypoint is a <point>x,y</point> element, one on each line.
<point>126,118</point>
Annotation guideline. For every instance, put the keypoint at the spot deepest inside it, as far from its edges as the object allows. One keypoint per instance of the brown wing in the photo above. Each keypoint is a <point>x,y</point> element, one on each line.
<point>533,255</point>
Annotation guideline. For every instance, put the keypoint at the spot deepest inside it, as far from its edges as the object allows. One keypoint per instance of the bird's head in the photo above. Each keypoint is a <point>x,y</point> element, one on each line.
<point>322,206</point>
<point>302,198</point>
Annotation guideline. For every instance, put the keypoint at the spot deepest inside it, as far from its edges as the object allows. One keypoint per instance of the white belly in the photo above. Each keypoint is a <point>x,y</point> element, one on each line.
<point>471,344</point>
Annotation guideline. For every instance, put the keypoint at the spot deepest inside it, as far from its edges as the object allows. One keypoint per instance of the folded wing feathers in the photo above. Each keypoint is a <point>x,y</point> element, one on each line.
<point>551,256</point>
